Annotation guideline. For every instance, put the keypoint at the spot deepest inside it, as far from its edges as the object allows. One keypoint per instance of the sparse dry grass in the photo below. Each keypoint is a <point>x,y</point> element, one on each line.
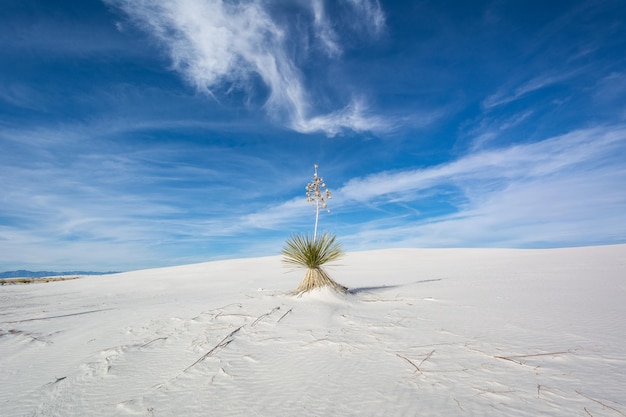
<point>14,281</point>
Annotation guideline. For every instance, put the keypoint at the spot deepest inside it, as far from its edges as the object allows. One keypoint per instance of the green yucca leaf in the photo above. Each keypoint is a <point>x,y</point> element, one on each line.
<point>306,252</point>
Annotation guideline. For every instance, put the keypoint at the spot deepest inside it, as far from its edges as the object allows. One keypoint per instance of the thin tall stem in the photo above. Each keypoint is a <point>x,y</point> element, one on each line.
<point>317,216</point>
<point>316,192</point>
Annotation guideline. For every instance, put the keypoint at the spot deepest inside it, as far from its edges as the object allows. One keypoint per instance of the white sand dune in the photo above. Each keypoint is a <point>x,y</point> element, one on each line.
<point>441,332</point>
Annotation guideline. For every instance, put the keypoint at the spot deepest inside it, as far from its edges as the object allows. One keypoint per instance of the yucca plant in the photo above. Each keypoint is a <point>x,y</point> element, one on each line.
<point>311,253</point>
<point>304,252</point>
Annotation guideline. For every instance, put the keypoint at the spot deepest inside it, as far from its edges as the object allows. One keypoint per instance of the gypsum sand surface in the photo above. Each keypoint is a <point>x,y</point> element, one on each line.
<point>421,332</point>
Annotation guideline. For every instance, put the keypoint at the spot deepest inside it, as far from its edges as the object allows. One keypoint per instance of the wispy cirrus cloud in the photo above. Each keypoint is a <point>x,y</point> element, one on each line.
<point>223,47</point>
<point>355,116</point>
<point>491,128</point>
<point>369,15</point>
<point>560,211</point>
<point>75,195</point>
<point>513,163</point>
<point>564,189</point>
<point>324,30</point>
<point>510,94</point>
<point>135,201</point>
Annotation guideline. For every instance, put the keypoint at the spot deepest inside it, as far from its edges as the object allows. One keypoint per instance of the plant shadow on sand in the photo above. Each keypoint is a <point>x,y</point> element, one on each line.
<point>388,287</point>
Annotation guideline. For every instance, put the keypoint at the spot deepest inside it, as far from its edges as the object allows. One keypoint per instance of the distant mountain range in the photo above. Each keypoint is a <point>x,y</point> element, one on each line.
<point>41,274</point>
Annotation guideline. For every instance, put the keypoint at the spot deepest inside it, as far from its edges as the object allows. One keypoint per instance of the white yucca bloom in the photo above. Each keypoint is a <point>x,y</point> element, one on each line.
<point>317,193</point>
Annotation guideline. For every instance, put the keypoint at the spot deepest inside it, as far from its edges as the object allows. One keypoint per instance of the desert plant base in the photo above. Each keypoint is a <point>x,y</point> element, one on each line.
<point>317,278</point>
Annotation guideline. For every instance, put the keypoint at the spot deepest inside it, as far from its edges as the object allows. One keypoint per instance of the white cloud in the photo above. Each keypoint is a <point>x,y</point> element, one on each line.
<point>220,45</point>
<point>610,92</point>
<point>369,14</point>
<point>92,204</point>
<point>21,95</point>
<point>281,214</point>
<point>563,210</point>
<point>505,96</point>
<point>324,30</point>
<point>535,160</point>
<point>354,116</point>
<point>73,194</point>
<point>563,190</point>
<point>491,128</point>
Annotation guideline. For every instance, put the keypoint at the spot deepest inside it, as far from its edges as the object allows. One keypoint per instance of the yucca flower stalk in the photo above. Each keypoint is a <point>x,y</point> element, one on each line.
<point>311,253</point>
<point>317,192</point>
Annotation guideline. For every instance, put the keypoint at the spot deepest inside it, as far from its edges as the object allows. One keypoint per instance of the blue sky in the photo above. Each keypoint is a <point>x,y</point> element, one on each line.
<point>138,133</point>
